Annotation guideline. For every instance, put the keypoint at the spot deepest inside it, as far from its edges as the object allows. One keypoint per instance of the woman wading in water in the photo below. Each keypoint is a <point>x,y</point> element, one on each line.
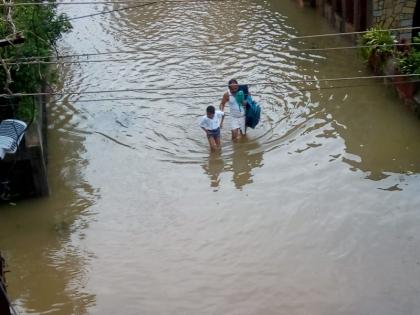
<point>236,110</point>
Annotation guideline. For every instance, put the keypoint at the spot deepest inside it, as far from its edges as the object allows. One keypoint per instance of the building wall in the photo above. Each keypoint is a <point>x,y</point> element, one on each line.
<point>346,15</point>
<point>394,14</point>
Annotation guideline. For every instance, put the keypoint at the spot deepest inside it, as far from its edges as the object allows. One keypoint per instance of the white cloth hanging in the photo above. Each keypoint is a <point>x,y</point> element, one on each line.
<point>11,133</point>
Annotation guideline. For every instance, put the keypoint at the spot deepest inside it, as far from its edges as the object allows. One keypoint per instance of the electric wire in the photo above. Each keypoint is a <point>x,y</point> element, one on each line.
<point>110,2</point>
<point>58,61</point>
<point>110,11</point>
<point>283,92</point>
<point>228,43</point>
<point>288,38</point>
<point>175,88</point>
<point>250,84</point>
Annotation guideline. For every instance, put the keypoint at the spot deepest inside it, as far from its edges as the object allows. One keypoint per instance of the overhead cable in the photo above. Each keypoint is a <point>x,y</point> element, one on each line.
<point>108,2</point>
<point>223,44</point>
<point>111,11</point>
<point>175,88</point>
<point>284,92</point>
<point>59,61</point>
<point>183,1</point>
<point>138,5</point>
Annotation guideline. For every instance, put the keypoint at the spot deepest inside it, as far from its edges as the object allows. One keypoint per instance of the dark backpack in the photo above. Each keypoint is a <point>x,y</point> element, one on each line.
<point>253,110</point>
<point>253,113</point>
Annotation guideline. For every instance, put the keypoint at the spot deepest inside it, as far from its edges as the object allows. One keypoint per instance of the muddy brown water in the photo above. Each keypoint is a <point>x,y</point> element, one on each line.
<point>315,212</point>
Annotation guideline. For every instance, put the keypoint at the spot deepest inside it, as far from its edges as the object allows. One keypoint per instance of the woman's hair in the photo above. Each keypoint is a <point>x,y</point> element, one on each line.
<point>232,81</point>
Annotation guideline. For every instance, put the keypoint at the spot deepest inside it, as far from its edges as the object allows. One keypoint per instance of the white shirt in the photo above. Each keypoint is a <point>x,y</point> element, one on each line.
<point>211,124</point>
<point>236,110</point>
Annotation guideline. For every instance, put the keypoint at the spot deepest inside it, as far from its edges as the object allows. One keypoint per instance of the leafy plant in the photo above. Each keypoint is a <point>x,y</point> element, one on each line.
<point>42,27</point>
<point>377,41</point>
<point>26,110</point>
<point>409,61</point>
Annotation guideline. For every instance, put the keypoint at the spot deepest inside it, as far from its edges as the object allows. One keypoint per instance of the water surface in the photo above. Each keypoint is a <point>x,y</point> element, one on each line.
<point>316,211</point>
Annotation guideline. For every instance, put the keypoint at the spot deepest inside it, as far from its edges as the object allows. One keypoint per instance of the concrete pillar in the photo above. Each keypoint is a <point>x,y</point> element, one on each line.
<point>39,171</point>
<point>36,150</point>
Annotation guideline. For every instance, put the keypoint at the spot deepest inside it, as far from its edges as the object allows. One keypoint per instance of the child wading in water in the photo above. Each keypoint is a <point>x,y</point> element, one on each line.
<point>211,124</point>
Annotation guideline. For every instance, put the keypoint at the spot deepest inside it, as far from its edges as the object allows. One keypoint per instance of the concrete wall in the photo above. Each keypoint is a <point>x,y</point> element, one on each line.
<point>346,15</point>
<point>367,13</point>
<point>394,14</point>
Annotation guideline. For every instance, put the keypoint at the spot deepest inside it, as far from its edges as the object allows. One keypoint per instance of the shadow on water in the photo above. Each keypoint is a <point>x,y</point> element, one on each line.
<point>40,238</point>
<point>245,156</point>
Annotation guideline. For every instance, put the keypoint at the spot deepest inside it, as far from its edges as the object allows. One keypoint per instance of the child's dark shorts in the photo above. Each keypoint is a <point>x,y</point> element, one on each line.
<point>215,133</point>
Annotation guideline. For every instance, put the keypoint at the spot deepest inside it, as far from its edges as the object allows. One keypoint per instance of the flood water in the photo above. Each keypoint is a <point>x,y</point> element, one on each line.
<point>315,212</point>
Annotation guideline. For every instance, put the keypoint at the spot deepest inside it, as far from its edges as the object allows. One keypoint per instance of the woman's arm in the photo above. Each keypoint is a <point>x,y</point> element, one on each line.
<point>225,99</point>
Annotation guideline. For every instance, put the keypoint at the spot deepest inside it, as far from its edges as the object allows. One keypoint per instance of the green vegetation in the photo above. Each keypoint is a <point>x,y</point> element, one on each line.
<point>41,27</point>
<point>381,46</point>
<point>385,57</point>
<point>379,42</point>
<point>409,61</point>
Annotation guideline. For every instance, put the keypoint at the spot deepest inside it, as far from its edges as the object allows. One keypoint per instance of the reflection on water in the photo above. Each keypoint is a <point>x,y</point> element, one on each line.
<point>376,146</point>
<point>48,269</point>
<point>132,227</point>
<point>245,156</point>
<point>214,167</point>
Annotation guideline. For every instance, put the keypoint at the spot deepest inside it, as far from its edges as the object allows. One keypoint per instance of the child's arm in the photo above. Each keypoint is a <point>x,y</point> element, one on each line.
<point>205,130</point>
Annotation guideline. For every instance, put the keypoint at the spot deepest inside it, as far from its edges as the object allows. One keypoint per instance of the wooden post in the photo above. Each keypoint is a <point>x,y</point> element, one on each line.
<point>36,149</point>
